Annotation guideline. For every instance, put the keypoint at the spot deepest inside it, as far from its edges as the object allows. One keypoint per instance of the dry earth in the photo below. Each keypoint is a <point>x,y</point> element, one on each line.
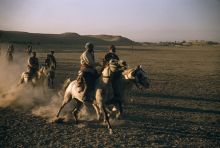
<point>181,109</point>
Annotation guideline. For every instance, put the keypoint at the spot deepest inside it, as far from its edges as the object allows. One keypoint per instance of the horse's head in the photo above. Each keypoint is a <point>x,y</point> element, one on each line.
<point>26,77</point>
<point>138,75</point>
<point>42,72</point>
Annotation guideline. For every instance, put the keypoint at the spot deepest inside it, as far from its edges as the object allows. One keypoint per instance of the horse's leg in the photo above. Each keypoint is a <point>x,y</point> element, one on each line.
<point>77,109</point>
<point>67,99</point>
<point>52,82</point>
<point>98,114</point>
<point>106,117</point>
<point>116,102</point>
<point>105,114</point>
<point>48,82</point>
<point>52,76</point>
<point>118,115</point>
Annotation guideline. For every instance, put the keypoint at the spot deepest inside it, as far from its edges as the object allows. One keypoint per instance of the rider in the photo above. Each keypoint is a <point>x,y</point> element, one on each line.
<point>11,48</point>
<point>29,49</point>
<point>53,59</point>
<point>10,52</point>
<point>111,55</point>
<point>88,69</point>
<point>33,64</point>
<point>47,61</point>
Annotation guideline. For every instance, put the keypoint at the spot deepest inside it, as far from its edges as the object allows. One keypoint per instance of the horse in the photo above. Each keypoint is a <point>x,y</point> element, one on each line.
<point>130,77</point>
<point>47,74</point>
<point>28,77</point>
<point>38,79</point>
<point>103,84</point>
<point>50,70</point>
<point>25,78</point>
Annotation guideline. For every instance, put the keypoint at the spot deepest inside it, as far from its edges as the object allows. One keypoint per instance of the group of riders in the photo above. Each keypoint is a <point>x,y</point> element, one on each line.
<point>88,67</point>
<point>33,66</point>
<point>88,70</point>
<point>92,83</point>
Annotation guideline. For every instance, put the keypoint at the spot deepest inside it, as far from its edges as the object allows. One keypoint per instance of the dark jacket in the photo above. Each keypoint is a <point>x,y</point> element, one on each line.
<point>33,63</point>
<point>53,60</point>
<point>109,56</point>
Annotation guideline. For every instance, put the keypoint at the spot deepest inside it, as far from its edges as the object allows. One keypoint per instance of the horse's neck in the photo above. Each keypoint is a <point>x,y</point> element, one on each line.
<point>127,80</point>
<point>105,77</point>
<point>42,72</point>
<point>127,83</point>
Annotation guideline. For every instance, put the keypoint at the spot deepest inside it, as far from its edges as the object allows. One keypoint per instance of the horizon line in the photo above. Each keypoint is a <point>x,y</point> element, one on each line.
<point>112,35</point>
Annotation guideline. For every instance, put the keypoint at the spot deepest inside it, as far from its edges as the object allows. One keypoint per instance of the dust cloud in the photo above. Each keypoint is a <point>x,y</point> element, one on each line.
<point>24,97</point>
<point>39,100</point>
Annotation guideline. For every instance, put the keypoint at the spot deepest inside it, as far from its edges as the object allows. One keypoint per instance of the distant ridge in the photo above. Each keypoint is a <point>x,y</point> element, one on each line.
<point>63,38</point>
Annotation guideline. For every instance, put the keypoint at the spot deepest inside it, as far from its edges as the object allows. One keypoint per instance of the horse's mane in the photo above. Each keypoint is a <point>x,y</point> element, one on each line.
<point>127,71</point>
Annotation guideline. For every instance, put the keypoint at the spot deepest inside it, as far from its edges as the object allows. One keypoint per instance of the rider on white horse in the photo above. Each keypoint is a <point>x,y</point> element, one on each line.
<point>88,69</point>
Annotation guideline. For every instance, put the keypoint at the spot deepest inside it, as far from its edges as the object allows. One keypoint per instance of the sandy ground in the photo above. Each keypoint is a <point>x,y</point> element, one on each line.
<point>181,109</point>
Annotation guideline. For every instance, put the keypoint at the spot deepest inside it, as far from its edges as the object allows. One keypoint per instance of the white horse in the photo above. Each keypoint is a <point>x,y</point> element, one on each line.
<point>103,84</point>
<point>27,77</point>
<point>38,79</point>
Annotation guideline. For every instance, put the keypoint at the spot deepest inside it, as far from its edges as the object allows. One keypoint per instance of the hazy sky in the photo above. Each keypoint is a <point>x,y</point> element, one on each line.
<point>140,20</point>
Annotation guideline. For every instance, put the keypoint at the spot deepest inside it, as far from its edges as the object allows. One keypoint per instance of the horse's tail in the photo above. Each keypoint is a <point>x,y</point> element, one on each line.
<point>66,84</point>
<point>64,87</point>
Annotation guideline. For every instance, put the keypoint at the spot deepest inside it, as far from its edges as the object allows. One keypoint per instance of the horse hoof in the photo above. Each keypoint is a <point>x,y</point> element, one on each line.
<point>59,120</point>
<point>110,131</point>
<point>118,116</point>
<point>76,122</point>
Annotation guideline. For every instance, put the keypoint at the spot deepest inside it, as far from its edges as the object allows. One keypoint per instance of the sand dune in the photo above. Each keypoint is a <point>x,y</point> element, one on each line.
<point>64,38</point>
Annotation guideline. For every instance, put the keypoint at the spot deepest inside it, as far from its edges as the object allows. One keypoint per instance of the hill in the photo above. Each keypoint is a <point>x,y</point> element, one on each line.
<point>64,38</point>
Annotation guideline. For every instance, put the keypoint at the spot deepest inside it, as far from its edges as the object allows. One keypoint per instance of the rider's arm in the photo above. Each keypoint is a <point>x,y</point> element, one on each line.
<point>30,62</point>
